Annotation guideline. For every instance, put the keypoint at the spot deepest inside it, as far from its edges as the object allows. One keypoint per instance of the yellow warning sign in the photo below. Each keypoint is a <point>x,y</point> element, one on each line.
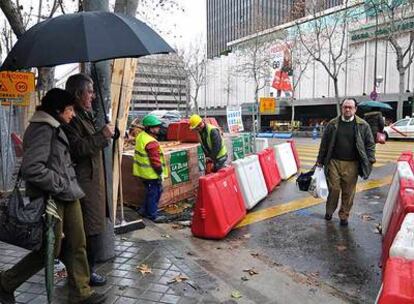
<point>267,104</point>
<point>16,88</point>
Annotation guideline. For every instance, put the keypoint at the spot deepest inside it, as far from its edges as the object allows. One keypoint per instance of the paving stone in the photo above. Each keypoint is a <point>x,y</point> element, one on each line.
<point>124,300</point>
<point>151,295</point>
<point>26,297</point>
<point>170,299</point>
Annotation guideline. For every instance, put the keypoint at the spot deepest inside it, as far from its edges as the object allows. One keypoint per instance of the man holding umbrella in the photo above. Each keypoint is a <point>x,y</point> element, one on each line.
<point>86,144</point>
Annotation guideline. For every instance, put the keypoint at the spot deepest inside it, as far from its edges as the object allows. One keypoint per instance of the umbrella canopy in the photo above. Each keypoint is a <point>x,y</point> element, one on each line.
<point>84,37</point>
<point>374,104</point>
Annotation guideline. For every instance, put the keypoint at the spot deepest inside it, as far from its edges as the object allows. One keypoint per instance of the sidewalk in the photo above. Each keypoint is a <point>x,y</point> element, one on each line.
<point>126,284</point>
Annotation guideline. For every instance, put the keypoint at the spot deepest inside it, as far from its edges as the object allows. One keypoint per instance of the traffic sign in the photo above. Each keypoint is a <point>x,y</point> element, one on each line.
<point>16,88</point>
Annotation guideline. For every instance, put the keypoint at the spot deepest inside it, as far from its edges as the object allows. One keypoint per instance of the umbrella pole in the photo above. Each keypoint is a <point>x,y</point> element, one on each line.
<point>98,87</point>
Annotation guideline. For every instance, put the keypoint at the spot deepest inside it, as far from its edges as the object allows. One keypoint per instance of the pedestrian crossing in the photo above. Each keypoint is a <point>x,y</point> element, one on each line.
<point>385,154</point>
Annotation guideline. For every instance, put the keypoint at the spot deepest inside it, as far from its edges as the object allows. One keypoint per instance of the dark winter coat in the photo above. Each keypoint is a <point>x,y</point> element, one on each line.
<point>86,146</point>
<point>47,166</point>
<point>375,121</point>
<point>365,145</point>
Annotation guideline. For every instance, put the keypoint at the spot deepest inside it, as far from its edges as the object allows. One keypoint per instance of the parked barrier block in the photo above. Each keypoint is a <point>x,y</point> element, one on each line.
<point>219,206</point>
<point>398,287</point>
<point>403,205</point>
<point>403,244</point>
<point>185,134</point>
<point>172,131</point>
<point>269,168</point>
<point>250,178</point>
<point>295,152</point>
<point>285,160</point>
<point>261,144</point>
<point>408,157</point>
<point>403,171</point>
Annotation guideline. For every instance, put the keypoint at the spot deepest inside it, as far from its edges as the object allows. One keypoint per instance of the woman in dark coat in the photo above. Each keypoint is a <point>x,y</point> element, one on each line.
<point>86,143</point>
<point>47,168</point>
<point>375,121</point>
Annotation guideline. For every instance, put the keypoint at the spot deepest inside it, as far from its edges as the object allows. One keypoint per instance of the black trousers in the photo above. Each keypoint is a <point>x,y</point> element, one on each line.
<point>91,250</point>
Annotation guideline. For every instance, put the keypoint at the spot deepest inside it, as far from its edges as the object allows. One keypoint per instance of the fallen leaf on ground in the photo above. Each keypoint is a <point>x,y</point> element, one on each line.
<point>254,254</point>
<point>218,248</point>
<point>379,228</point>
<point>177,226</point>
<point>367,217</point>
<point>251,271</point>
<point>177,279</point>
<point>167,236</point>
<point>341,247</point>
<point>144,269</point>
<point>244,278</point>
<point>236,294</point>
<point>247,235</point>
<point>124,239</point>
<point>190,253</point>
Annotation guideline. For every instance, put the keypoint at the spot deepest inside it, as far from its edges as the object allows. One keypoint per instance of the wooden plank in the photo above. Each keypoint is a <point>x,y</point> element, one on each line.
<point>123,82</point>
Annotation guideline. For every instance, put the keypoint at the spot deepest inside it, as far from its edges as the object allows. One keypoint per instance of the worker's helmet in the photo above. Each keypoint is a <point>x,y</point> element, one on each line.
<point>195,120</point>
<point>151,121</point>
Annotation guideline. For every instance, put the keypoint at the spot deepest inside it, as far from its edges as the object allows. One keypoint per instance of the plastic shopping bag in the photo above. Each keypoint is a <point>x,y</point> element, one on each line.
<point>318,187</point>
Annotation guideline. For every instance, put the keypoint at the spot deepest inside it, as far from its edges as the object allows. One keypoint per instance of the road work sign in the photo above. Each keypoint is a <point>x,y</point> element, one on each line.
<point>16,88</point>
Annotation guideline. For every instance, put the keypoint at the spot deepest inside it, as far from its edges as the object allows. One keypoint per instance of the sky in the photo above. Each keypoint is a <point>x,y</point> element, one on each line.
<point>179,28</point>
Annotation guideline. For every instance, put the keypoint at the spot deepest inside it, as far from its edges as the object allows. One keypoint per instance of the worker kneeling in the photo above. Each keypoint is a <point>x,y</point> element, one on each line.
<point>149,165</point>
<point>211,142</point>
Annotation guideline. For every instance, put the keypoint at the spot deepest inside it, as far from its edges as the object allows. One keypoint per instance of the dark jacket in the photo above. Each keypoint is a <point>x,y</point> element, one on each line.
<point>86,146</point>
<point>375,121</point>
<point>215,142</point>
<point>47,165</point>
<point>364,143</point>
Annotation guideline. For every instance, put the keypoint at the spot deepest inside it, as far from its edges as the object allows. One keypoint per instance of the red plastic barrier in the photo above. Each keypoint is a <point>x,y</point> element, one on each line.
<point>398,287</point>
<point>403,205</point>
<point>269,168</point>
<point>17,144</point>
<point>295,153</point>
<point>220,205</point>
<point>211,121</point>
<point>185,134</point>
<point>172,132</point>
<point>408,157</point>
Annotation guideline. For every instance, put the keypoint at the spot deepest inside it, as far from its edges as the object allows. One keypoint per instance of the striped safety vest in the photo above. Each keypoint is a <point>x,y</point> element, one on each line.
<point>142,165</point>
<point>223,150</point>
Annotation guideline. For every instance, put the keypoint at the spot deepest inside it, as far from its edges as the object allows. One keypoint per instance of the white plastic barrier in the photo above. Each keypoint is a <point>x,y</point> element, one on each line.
<point>403,171</point>
<point>285,160</point>
<point>403,244</point>
<point>261,144</point>
<point>251,180</point>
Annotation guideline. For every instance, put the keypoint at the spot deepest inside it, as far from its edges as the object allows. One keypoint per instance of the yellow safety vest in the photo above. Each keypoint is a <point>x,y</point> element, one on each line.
<point>142,165</point>
<point>223,150</point>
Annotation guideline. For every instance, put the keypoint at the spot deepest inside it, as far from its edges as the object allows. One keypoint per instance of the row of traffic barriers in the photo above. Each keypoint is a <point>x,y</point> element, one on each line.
<point>224,197</point>
<point>398,236</point>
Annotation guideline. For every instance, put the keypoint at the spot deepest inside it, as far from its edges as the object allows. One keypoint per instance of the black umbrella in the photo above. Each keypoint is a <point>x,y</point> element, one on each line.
<point>84,37</point>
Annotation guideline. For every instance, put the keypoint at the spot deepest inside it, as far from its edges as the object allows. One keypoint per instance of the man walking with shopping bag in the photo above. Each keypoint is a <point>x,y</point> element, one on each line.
<point>347,150</point>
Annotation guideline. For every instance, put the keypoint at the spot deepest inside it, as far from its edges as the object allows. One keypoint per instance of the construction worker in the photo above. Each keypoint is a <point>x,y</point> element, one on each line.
<point>149,165</point>
<point>211,142</point>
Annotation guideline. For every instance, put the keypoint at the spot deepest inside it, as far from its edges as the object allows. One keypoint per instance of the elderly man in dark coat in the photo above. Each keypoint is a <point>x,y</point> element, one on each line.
<point>86,143</point>
<point>347,150</point>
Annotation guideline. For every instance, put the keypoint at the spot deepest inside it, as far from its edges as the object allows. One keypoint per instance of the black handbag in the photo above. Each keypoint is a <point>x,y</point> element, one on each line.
<point>304,179</point>
<point>21,219</point>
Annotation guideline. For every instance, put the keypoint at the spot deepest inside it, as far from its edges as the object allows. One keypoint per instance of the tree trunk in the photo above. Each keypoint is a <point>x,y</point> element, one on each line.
<point>338,102</point>
<point>400,102</point>
<point>128,7</point>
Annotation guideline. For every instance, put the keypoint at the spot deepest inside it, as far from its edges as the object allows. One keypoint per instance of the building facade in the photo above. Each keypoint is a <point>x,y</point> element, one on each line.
<point>229,20</point>
<point>160,84</point>
<point>372,58</point>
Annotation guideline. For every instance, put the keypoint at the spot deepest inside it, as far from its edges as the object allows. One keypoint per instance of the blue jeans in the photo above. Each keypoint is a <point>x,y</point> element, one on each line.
<point>153,190</point>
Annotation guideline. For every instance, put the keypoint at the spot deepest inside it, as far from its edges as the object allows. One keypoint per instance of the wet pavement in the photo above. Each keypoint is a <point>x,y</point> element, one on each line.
<point>298,256</point>
<point>126,284</point>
